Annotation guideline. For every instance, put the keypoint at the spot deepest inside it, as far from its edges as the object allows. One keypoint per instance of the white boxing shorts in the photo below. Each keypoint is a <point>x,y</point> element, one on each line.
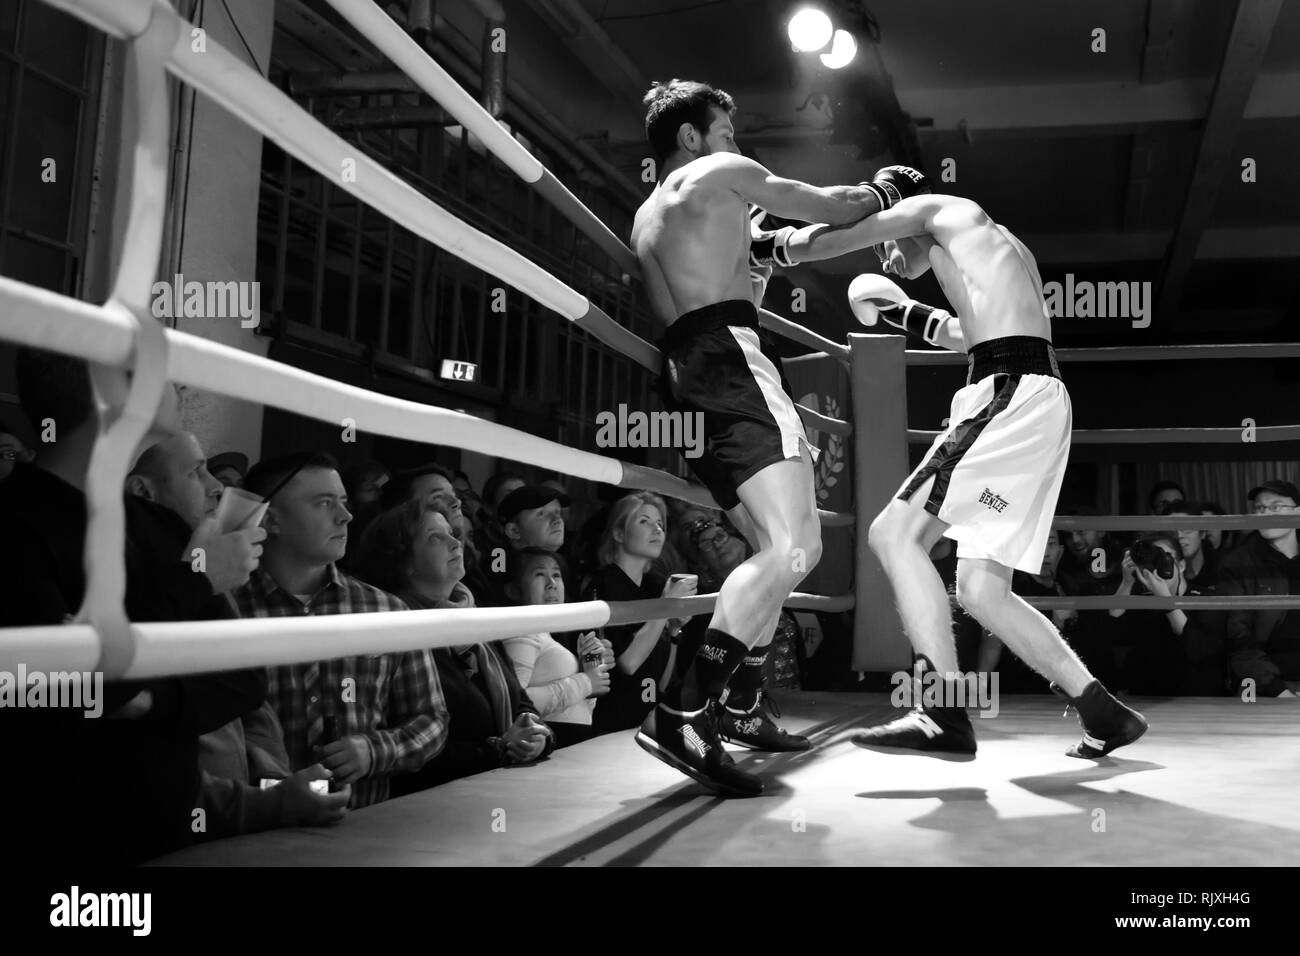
<point>999,465</point>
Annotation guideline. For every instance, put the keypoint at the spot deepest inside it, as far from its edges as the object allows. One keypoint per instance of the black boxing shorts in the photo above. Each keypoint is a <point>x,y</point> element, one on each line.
<point>720,365</point>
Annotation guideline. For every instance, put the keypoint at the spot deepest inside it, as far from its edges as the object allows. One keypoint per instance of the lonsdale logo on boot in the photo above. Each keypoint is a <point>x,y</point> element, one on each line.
<point>694,741</point>
<point>709,652</point>
<point>932,689</point>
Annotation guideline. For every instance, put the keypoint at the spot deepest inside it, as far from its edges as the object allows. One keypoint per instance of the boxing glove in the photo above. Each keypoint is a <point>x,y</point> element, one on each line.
<point>893,184</point>
<point>873,298</point>
<point>767,245</point>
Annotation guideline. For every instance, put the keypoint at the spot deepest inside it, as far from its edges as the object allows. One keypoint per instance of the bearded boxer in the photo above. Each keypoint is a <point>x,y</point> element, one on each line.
<point>694,241</point>
<point>991,479</point>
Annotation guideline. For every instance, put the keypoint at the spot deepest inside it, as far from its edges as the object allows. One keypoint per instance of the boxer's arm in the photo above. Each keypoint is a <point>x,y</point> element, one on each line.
<point>911,217</point>
<point>949,335</point>
<point>790,198</point>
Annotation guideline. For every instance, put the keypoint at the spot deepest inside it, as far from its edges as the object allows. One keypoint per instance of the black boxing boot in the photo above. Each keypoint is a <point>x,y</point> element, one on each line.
<point>682,730</point>
<point>745,716</point>
<point>1107,724</point>
<point>925,729</point>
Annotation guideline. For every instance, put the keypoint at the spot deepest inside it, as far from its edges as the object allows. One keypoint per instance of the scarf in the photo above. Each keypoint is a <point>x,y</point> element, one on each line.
<point>479,659</point>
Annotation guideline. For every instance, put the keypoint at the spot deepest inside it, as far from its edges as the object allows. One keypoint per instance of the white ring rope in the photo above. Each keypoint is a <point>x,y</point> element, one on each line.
<point>192,647</point>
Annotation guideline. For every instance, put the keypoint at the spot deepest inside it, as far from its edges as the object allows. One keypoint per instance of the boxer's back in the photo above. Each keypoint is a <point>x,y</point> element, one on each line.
<point>989,276</point>
<point>692,240</point>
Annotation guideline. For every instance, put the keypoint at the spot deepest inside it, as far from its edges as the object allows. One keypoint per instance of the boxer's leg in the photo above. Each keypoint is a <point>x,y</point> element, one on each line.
<point>901,538</point>
<point>984,589</point>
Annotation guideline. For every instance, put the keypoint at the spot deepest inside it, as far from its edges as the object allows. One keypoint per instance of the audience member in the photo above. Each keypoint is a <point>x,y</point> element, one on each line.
<point>1163,492</point>
<point>1166,652</point>
<point>365,717</point>
<point>170,478</point>
<point>1219,540</point>
<point>643,653</point>
<point>229,468</point>
<point>1090,567</point>
<point>410,551</point>
<point>1264,646</point>
<point>432,485</point>
<point>12,450</point>
<point>120,789</point>
<point>1201,561</point>
<point>559,686</point>
<point>528,517</point>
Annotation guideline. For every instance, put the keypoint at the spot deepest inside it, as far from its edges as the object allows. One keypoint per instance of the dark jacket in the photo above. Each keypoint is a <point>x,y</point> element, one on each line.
<point>470,724</point>
<point>1263,646</point>
<point>105,791</point>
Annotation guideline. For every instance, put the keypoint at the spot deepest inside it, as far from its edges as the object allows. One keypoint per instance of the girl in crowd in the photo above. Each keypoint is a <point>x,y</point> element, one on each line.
<point>560,689</point>
<point>643,653</point>
<point>410,551</point>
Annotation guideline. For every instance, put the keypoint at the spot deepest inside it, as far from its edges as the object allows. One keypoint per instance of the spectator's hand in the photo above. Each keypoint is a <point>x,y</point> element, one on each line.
<point>681,588</point>
<point>348,759</point>
<point>607,653</point>
<point>135,708</point>
<point>228,558</point>
<point>590,643</point>
<point>525,740</point>
<point>1130,572</point>
<point>300,806</point>
<point>598,674</point>
<point>1154,583</point>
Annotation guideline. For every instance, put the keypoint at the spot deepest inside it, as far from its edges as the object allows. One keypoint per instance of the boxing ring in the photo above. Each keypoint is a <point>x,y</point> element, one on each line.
<point>633,809</point>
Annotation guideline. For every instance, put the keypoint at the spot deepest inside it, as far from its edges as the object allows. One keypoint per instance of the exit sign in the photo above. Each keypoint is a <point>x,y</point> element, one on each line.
<point>459,371</point>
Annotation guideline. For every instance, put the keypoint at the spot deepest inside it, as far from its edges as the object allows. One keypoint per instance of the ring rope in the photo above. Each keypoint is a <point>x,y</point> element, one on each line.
<point>1173,522</point>
<point>1134,353</point>
<point>164,649</point>
<point>1147,436</point>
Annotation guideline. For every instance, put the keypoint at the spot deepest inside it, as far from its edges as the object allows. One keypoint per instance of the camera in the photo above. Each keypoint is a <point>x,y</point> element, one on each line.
<point>1152,557</point>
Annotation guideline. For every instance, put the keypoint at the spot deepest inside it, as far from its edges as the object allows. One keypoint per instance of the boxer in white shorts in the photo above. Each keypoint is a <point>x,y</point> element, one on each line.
<point>990,481</point>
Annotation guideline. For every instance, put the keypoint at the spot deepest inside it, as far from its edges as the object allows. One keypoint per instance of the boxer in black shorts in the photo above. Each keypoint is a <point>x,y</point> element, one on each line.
<point>696,245</point>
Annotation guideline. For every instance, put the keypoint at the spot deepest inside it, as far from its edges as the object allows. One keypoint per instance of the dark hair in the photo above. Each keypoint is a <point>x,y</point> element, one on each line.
<point>399,486</point>
<point>1168,537</point>
<point>1213,508</point>
<point>53,386</point>
<point>669,105</point>
<point>1181,507</point>
<point>517,561</point>
<point>358,473</point>
<point>271,474</point>
<point>493,485</point>
<point>384,553</point>
<point>1160,486</point>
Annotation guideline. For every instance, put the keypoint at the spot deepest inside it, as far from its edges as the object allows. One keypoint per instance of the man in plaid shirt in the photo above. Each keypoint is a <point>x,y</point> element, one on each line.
<point>364,718</point>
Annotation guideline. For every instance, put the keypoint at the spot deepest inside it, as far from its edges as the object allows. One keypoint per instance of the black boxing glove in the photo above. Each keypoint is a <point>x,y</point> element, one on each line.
<point>767,246</point>
<point>893,184</point>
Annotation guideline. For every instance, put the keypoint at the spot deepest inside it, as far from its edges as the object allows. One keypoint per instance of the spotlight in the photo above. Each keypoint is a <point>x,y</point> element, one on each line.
<point>843,49</point>
<point>810,30</point>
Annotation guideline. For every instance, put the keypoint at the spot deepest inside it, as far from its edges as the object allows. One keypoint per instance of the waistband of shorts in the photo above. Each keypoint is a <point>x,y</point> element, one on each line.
<point>1012,355</point>
<point>709,319</point>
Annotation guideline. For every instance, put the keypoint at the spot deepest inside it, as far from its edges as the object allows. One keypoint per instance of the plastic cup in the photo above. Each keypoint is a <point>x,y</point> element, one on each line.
<point>239,509</point>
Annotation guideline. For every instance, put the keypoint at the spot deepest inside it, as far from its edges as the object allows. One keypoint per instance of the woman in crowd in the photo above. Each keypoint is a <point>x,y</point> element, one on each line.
<point>410,551</point>
<point>643,653</point>
<point>560,689</point>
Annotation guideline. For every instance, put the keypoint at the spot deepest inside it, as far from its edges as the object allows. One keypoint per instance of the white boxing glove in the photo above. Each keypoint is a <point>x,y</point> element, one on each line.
<point>873,297</point>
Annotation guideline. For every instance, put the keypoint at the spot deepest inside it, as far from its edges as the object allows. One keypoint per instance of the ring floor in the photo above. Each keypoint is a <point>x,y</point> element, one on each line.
<point>1212,783</point>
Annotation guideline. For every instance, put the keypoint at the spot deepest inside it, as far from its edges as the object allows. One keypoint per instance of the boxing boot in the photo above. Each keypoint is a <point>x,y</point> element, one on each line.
<point>1107,723</point>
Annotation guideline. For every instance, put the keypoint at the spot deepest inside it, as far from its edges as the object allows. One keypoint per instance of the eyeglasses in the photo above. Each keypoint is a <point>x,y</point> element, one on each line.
<point>697,529</point>
<point>1275,508</point>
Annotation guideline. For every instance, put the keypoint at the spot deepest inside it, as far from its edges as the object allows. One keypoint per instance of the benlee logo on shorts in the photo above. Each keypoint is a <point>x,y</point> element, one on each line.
<point>996,502</point>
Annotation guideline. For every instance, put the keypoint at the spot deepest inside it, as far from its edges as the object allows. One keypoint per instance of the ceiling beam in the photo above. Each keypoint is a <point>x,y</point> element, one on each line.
<point>1242,56</point>
<point>587,40</point>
